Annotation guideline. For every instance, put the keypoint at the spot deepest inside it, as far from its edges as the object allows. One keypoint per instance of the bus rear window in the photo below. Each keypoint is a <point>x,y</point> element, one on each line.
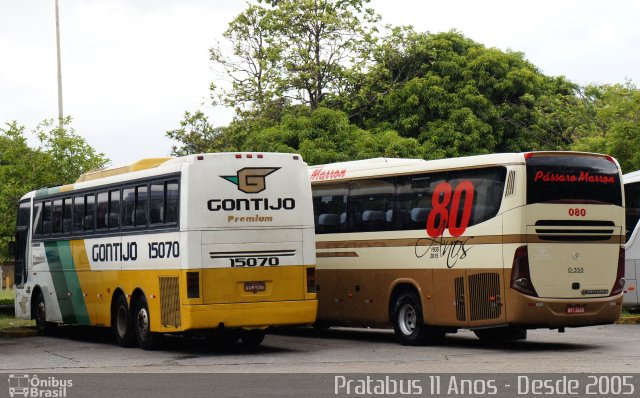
<point>573,179</point>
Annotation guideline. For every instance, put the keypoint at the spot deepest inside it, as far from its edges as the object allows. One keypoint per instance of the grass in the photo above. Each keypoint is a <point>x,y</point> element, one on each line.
<point>8,321</point>
<point>7,296</point>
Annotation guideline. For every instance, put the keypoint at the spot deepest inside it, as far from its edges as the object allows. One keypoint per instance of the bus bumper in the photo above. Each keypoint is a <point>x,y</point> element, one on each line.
<point>249,315</point>
<point>553,313</point>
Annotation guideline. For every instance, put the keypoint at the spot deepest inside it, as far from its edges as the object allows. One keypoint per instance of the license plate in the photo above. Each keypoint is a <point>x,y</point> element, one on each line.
<point>575,309</point>
<point>254,287</point>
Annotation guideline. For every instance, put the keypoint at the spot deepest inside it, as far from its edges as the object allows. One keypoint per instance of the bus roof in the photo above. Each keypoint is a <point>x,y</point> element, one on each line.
<point>143,168</point>
<point>386,166</point>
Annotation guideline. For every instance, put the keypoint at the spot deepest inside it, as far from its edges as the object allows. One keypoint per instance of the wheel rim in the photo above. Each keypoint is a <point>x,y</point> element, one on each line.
<point>407,319</point>
<point>143,322</point>
<point>121,321</point>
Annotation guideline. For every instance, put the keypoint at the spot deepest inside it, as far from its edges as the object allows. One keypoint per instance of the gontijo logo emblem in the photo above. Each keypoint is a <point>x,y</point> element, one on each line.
<point>251,179</point>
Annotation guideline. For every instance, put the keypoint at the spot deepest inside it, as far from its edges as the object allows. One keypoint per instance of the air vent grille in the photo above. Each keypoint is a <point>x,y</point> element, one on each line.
<point>484,296</point>
<point>169,301</point>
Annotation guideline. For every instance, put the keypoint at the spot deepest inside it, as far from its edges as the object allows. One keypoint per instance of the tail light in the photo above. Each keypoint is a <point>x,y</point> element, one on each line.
<point>311,280</point>
<point>618,286</point>
<point>520,276</point>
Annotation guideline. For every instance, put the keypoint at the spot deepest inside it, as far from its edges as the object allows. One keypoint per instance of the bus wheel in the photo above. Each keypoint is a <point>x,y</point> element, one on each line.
<point>252,338</point>
<point>122,324</point>
<point>40,315</point>
<point>501,335</point>
<point>408,323</point>
<point>146,339</point>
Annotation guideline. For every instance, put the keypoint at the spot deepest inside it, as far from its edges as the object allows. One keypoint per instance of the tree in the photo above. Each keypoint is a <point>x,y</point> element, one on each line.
<point>455,96</point>
<point>197,135</point>
<point>60,158</point>
<point>607,119</point>
<point>252,67</point>
<point>294,51</point>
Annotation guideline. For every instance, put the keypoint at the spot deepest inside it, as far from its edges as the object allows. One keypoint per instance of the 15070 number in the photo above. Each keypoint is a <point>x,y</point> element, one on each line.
<point>164,249</point>
<point>254,261</point>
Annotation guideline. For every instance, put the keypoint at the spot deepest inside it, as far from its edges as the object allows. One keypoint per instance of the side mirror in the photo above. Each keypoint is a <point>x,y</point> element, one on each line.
<point>12,248</point>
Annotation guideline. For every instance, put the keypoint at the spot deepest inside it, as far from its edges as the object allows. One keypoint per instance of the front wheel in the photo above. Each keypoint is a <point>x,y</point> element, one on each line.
<point>146,339</point>
<point>408,324</point>
<point>40,315</point>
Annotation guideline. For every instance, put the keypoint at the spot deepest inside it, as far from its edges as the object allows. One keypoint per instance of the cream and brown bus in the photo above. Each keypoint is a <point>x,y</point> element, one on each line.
<point>497,244</point>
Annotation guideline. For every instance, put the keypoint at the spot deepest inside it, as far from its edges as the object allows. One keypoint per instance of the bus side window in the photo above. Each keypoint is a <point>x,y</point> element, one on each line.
<point>78,213</point>
<point>114,209</point>
<point>66,215</point>
<point>56,217</point>
<point>171,204</point>
<point>156,204</point>
<point>102,210</point>
<point>330,208</point>
<point>37,218</point>
<point>89,212</point>
<point>128,207</point>
<point>141,205</point>
<point>46,218</point>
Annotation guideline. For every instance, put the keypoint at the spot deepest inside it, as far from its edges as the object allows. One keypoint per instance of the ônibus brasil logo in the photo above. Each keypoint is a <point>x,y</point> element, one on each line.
<point>251,179</point>
<point>21,385</point>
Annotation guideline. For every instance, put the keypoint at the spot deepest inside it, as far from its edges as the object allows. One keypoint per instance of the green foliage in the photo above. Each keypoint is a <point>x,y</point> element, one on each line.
<point>60,159</point>
<point>607,120</point>
<point>315,77</point>
<point>294,51</point>
<point>455,96</point>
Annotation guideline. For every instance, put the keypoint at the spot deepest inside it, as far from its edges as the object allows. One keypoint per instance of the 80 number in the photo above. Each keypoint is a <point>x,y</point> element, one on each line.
<point>446,206</point>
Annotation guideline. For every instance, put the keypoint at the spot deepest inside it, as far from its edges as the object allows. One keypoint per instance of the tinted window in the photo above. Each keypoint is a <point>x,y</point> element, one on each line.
<point>37,217</point>
<point>46,218</point>
<point>405,203</point>
<point>156,204</point>
<point>24,211</point>
<point>66,215</point>
<point>330,208</point>
<point>573,179</point>
<point>370,205</point>
<point>89,212</point>
<point>102,210</point>
<point>128,207</point>
<point>78,213</point>
<point>114,209</point>
<point>141,205</point>
<point>171,206</point>
<point>56,217</point>
<point>632,206</point>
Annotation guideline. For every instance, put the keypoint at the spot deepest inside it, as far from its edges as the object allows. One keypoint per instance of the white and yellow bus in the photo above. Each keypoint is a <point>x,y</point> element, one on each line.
<point>496,243</point>
<point>211,241</point>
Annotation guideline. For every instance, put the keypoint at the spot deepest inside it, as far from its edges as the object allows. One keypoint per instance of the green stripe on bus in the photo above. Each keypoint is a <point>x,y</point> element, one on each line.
<point>66,283</point>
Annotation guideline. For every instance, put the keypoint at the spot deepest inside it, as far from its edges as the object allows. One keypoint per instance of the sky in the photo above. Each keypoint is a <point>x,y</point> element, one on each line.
<point>131,68</point>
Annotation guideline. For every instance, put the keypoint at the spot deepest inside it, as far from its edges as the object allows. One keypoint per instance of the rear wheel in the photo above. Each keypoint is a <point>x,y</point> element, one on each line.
<point>146,339</point>
<point>501,335</point>
<point>408,324</point>
<point>122,323</point>
<point>252,338</point>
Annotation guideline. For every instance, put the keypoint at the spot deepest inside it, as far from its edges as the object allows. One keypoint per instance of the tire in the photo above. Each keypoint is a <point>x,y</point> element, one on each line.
<point>40,315</point>
<point>147,340</point>
<point>501,335</point>
<point>252,338</point>
<point>408,324</point>
<point>122,323</point>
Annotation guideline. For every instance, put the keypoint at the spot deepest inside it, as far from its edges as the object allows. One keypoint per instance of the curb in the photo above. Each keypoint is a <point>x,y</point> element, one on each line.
<point>629,320</point>
<point>18,332</point>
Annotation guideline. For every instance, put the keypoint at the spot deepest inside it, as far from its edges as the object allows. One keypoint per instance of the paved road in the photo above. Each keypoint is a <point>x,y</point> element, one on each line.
<point>611,349</point>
